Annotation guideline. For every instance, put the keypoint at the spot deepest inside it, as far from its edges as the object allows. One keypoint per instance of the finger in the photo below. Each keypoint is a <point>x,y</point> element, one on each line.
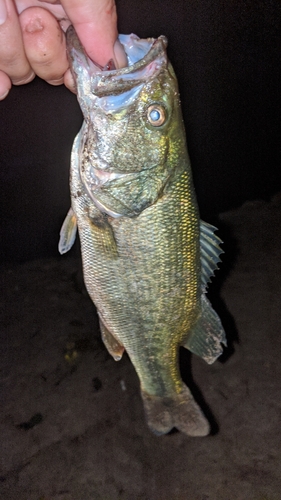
<point>13,60</point>
<point>69,81</point>
<point>44,44</point>
<point>96,27</point>
<point>54,7</point>
<point>50,1</point>
<point>5,85</point>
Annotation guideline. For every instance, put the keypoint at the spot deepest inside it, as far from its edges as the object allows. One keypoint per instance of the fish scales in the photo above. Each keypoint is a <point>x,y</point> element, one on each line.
<point>148,285</point>
<point>146,255</point>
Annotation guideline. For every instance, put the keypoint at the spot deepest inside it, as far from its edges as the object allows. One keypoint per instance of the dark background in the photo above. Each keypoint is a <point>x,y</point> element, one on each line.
<point>227,58</point>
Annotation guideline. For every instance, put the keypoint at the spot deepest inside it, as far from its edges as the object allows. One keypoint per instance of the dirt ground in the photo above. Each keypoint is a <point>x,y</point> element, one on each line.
<point>72,421</point>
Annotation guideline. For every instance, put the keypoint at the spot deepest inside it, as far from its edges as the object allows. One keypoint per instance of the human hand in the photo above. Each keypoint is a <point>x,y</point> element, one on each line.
<point>33,43</point>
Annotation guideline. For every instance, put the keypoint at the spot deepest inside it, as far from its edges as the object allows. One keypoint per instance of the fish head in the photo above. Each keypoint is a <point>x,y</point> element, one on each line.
<point>133,137</point>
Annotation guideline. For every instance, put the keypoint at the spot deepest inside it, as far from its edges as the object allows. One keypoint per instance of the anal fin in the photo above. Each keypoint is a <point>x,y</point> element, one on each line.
<point>113,346</point>
<point>207,335</point>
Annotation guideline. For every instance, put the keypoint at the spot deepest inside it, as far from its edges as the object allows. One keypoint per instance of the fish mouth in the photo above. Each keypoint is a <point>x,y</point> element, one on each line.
<point>146,58</point>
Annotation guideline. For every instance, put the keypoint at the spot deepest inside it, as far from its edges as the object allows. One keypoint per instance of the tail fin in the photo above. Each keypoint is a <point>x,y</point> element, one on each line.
<point>180,411</point>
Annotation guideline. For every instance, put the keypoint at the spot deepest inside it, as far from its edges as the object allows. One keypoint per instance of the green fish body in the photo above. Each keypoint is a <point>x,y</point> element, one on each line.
<point>147,257</point>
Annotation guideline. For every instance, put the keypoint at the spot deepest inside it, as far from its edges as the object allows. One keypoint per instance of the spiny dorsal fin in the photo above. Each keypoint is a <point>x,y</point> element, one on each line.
<point>210,252</point>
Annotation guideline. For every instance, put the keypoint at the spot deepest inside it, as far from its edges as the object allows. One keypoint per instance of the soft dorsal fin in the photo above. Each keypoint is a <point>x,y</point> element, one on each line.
<point>207,335</point>
<point>68,232</point>
<point>210,252</point>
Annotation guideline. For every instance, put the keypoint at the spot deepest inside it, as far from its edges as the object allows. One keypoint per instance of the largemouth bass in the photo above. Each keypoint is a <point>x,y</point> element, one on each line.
<point>147,258</point>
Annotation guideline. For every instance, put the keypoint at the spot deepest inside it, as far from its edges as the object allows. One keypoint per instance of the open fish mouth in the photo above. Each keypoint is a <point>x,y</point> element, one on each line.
<point>111,90</point>
<point>145,60</point>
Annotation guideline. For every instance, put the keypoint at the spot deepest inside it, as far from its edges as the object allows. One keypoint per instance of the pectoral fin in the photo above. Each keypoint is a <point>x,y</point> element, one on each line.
<point>207,335</point>
<point>68,232</point>
<point>113,346</point>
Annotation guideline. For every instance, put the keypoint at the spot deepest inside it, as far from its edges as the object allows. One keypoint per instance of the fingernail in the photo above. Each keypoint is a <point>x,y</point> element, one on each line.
<point>64,23</point>
<point>26,79</point>
<point>3,11</point>
<point>120,55</point>
<point>34,25</point>
<point>58,81</point>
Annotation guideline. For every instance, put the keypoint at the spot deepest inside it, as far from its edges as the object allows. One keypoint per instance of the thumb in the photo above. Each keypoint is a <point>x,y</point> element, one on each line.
<point>95,22</point>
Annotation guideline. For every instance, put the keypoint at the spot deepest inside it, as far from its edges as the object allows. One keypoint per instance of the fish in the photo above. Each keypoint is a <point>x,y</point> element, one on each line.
<point>147,257</point>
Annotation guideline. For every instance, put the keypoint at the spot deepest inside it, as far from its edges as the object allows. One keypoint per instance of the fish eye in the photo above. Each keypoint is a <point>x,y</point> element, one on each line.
<point>156,115</point>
